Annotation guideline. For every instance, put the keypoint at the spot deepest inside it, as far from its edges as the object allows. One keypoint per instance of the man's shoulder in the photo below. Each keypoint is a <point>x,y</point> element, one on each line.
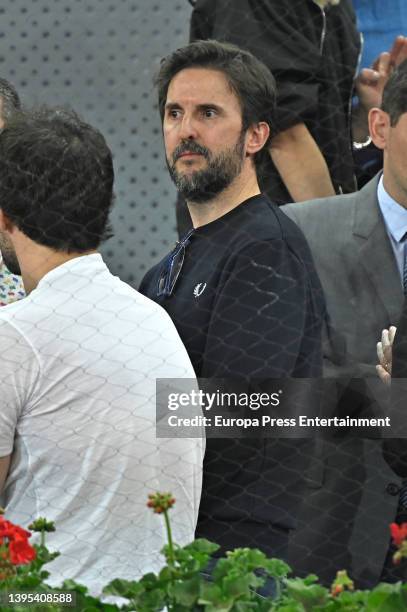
<point>282,232</point>
<point>104,297</point>
<point>16,343</point>
<point>266,221</point>
<point>333,218</point>
<point>334,208</point>
<point>149,282</point>
<point>137,300</point>
<point>331,208</point>
<point>270,238</point>
<point>132,305</point>
<point>11,314</point>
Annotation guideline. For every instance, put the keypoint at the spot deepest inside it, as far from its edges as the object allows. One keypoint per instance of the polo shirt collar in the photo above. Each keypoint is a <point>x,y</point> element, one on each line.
<point>81,265</point>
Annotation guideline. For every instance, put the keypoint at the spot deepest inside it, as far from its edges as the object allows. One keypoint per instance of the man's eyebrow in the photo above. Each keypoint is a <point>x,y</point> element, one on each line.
<point>210,105</point>
<point>171,105</point>
<point>202,106</point>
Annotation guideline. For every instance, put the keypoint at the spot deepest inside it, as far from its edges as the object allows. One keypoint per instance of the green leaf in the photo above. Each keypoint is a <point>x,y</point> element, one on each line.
<point>151,601</point>
<point>224,606</point>
<point>237,586</point>
<point>310,595</point>
<point>277,568</point>
<point>386,598</point>
<point>291,606</point>
<point>149,580</point>
<point>186,592</point>
<point>214,599</point>
<point>310,579</point>
<point>71,585</point>
<point>124,588</point>
<point>166,575</point>
<point>202,546</point>
<point>249,556</point>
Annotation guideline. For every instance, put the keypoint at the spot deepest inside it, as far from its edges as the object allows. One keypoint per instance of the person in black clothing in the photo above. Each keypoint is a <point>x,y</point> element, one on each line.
<point>241,286</point>
<point>312,50</point>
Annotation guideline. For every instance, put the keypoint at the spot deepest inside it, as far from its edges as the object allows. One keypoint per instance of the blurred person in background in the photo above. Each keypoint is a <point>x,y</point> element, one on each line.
<point>380,25</point>
<point>11,285</point>
<point>312,47</point>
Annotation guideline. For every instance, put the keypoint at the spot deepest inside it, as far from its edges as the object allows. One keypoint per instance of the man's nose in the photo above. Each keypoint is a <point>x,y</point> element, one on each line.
<point>188,130</point>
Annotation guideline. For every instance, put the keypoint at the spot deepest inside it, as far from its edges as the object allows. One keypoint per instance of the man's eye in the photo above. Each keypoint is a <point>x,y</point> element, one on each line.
<point>174,113</point>
<point>209,112</point>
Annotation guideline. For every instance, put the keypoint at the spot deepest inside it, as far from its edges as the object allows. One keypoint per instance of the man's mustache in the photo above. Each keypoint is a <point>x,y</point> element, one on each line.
<point>192,147</point>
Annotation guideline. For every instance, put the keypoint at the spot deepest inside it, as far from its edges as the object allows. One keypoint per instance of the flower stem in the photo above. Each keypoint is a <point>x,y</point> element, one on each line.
<point>43,537</point>
<point>171,559</point>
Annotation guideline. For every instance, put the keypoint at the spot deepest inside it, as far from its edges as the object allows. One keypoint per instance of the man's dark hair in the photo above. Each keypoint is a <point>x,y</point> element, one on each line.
<point>56,179</point>
<point>394,101</point>
<point>10,99</point>
<point>248,77</point>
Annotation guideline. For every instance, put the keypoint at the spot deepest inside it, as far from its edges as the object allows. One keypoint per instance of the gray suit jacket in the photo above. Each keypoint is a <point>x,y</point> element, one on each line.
<point>349,495</point>
<point>357,268</point>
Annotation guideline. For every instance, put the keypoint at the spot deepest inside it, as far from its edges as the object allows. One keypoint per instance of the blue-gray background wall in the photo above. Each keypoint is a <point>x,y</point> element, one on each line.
<point>99,57</point>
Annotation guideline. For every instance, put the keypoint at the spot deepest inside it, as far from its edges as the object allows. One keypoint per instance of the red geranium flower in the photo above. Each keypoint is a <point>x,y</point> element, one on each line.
<point>20,550</point>
<point>6,528</point>
<point>398,533</point>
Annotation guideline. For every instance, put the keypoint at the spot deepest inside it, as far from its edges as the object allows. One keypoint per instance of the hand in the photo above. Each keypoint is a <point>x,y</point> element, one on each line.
<point>371,81</point>
<point>398,52</point>
<point>384,354</point>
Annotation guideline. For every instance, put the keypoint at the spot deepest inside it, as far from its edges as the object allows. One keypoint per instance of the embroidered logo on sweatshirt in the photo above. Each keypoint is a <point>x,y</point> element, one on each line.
<point>199,289</point>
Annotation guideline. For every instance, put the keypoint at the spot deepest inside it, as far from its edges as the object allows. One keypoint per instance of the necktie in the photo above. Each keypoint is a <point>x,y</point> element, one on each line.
<point>403,489</point>
<point>404,241</point>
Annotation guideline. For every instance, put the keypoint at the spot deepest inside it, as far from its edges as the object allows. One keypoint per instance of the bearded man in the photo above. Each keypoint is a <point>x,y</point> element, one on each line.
<point>240,286</point>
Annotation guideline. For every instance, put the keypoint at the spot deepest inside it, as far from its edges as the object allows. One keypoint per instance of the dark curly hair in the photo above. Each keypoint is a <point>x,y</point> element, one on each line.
<point>56,179</point>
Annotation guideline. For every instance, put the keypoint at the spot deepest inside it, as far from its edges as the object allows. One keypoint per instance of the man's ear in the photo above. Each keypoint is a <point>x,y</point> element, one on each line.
<point>379,125</point>
<point>5,224</point>
<point>256,137</point>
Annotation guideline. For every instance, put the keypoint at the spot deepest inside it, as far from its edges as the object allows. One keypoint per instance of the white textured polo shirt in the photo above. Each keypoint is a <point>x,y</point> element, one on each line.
<point>79,359</point>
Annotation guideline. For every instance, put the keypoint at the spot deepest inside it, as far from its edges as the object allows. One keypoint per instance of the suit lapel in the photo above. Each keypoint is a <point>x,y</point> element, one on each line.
<point>376,253</point>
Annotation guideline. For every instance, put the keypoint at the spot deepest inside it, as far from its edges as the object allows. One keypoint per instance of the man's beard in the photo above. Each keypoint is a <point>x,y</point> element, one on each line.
<point>9,255</point>
<point>204,185</point>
